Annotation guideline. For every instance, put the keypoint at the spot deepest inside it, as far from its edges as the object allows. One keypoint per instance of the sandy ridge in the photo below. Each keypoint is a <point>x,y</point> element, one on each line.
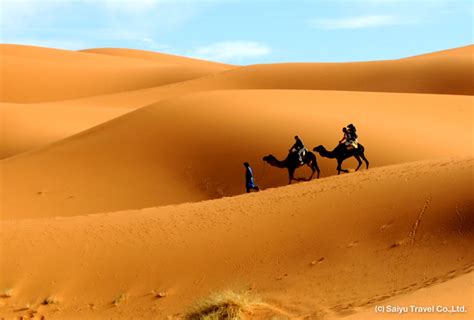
<point>293,226</point>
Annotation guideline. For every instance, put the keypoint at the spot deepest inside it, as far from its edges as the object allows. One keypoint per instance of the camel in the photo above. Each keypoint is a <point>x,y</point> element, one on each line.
<point>340,153</point>
<point>292,163</point>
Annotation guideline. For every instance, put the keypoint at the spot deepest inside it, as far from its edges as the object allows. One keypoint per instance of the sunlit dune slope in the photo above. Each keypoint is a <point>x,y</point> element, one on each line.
<point>461,52</point>
<point>192,148</point>
<point>441,75</point>
<point>316,249</point>
<point>36,74</point>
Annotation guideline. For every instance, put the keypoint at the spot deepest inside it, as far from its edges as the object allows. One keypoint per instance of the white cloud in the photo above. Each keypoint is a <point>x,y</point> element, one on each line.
<point>229,51</point>
<point>364,21</point>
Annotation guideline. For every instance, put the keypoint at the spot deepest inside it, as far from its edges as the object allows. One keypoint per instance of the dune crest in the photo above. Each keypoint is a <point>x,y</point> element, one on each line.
<point>466,51</point>
<point>159,57</point>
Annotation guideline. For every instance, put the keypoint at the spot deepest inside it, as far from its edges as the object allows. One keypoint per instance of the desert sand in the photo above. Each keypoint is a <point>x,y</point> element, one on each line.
<point>122,186</point>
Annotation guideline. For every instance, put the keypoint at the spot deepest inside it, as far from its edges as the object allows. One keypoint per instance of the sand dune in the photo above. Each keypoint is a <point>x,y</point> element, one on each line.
<point>441,74</point>
<point>119,76</point>
<point>121,187</point>
<point>445,74</point>
<point>324,248</point>
<point>157,150</point>
<point>24,68</point>
<point>442,295</point>
<point>461,52</point>
<point>159,57</point>
<point>448,73</point>
<point>26,127</point>
<point>35,74</point>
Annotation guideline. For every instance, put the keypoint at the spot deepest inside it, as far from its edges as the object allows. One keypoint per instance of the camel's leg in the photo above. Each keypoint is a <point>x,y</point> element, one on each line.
<point>315,167</point>
<point>290,175</point>
<point>365,159</point>
<point>359,161</point>
<point>309,164</point>
<point>339,167</point>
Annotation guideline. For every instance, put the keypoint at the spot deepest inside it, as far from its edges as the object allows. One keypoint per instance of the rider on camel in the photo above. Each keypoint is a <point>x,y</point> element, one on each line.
<point>350,137</point>
<point>299,148</point>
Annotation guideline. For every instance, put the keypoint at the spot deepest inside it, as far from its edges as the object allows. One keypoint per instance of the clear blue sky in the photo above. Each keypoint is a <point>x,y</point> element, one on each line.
<point>245,32</point>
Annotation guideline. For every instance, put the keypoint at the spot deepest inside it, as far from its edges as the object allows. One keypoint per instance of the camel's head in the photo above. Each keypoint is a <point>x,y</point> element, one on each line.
<point>318,148</point>
<point>269,158</point>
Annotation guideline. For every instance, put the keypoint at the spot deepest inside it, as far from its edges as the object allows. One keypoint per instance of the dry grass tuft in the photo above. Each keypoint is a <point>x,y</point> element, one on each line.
<point>50,300</point>
<point>227,305</point>
<point>6,293</point>
<point>121,298</point>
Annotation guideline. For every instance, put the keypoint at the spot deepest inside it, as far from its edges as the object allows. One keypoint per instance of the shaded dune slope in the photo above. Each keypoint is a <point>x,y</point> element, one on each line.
<point>192,148</point>
<point>369,236</point>
<point>28,126</point>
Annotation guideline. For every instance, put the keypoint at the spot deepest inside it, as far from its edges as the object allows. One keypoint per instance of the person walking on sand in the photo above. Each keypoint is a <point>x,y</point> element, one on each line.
<point>249,181</point>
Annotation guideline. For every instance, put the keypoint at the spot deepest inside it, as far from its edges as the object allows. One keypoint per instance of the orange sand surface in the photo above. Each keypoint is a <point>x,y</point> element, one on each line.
<point>122,185</point>
<point>372,236</point>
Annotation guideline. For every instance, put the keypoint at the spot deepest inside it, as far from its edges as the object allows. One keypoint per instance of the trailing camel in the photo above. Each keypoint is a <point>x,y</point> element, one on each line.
<point>292,163</point>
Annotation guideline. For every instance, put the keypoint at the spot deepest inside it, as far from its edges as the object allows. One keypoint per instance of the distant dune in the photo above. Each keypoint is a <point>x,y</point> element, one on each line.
<point>440,75</point>
<point>122,185</point>
<point>70,75</point>
<point>160,57</point>
<point>35,74</point>
<point>126,78</point>
<point>461,52</point>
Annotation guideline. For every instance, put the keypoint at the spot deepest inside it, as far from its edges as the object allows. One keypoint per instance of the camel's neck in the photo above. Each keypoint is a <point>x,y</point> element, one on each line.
<point>327,154</point>
<point>278,163</point>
